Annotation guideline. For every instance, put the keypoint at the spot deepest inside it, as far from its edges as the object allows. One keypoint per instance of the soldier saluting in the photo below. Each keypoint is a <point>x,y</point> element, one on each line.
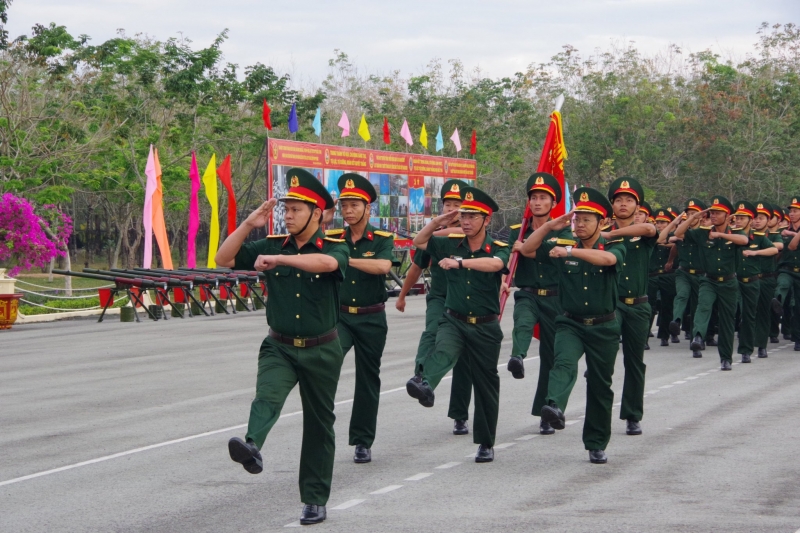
<point>362,315</point>
<point>587,291</point>
<point>469,328</point>
<point>304,270</point>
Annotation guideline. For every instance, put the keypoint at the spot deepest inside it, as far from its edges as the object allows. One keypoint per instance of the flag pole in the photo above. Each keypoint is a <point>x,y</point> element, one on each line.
<point>543,158</point>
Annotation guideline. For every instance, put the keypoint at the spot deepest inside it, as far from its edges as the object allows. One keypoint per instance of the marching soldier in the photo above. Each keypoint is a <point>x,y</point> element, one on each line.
<point>461,386</point>
<point>719,248</point>
<point>304,270</point>
<point>764,216</point>
<point>687,277</point>
<point>470,328</point>
<point>789,270</point>
<point>587,291</point>
<point>536,301</point>
<point>362,315</point>
<point>662,279</point>
<point>775,230</point>
<point>749,273</point>
<point>633,308</point>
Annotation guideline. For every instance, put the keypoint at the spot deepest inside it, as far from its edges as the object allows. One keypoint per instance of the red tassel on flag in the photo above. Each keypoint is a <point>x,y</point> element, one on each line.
<point>473,143</point>
<point>386,137</point>
<point>265,115</point>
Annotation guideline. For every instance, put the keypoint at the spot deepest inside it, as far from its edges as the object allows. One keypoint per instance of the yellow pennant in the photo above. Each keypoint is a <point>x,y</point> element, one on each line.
<point>210,185</point>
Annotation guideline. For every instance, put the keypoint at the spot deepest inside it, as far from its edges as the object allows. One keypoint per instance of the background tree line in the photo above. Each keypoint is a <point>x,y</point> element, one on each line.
<point>77,118</point>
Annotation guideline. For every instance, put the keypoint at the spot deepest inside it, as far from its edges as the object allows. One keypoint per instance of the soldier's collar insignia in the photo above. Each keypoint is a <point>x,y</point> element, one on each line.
<point>295,181</point>
<point>318,243</point>
<point>369,235</point>
<point>487,248</point>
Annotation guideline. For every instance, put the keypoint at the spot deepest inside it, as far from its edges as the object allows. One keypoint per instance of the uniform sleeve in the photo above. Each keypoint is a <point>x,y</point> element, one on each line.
<point>247,254</point>
<point>502,253</point>
<point>544,248</point>
<point>439,248</point>
<point>618,250</point>
<point>740,232</point>
<point>385,249</point>
<point>775,237</point>
<point>765,244</point>
<point>422,259</point>
<point>694,236</point>
<point>651,242</point>
<point>513,236</point>
<point>341,253</point>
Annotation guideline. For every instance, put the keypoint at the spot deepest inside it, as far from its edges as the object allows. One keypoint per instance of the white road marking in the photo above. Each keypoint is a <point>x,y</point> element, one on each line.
<point>347,505</point>
<point>666,386</point>
<point>570,422</point>
<point>504,445</point>
<point>526,437</point>
<point>690,378</point>
<point>417,477</point>
<point>653,391</point>
<point>678,382</point>
<point>449,465</point>
<point>384,490</point>
<point>703,374</point>
<point>294,524</point>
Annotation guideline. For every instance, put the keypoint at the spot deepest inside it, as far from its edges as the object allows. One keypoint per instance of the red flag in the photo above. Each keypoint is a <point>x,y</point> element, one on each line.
<point>265,115</point>
<point>473,143</point>
<point>386,137</point>
<point>224,175</point>
<point>552,160</point>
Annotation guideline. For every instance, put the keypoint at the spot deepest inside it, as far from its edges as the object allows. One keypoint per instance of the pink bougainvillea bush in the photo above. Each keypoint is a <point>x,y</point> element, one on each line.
<point>28,239</point>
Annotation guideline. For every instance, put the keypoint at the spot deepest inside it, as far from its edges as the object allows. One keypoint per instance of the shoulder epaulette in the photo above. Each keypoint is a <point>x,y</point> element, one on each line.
<point>566,242</point>
<point>761,233</point>
<point>383,233</point>
<point>515,226</point>
<point>500,243</point>
<point>277,236</point>
<point>334,231</point>
<point>706,227</point>
<point>457,235</point>
<point>331,239</point>
<point>604,228</point>
<point>615,241</point>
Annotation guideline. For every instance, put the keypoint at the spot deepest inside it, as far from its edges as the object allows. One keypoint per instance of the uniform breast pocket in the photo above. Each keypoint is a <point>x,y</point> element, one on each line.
<point>571,267</point>
<point>281,271</point>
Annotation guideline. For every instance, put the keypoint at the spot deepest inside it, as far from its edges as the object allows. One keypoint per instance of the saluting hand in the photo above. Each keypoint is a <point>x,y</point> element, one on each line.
<point>260,217</point>
<point>563,221</point>
<point>266,262</point>
<point>444,220</point>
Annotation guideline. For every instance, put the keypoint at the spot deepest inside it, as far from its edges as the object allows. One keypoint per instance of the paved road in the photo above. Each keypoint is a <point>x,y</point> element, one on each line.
<point>134,419</point>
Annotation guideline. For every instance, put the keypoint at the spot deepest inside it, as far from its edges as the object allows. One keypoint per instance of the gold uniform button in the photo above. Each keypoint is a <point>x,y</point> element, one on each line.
<point>355,299</point>
<point>297,316</point>
<point>298,275</point>
<point>467,297</point>
<point>354,282</point>
<point>317,275</point>
<point>298,296</point>
<point>586,288</point>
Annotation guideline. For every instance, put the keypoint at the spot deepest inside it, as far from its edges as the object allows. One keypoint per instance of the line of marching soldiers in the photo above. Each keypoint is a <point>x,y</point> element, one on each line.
<point>589,280</point>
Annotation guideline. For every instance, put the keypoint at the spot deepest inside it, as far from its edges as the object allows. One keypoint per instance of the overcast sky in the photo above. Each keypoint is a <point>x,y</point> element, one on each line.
<point>499,36</point>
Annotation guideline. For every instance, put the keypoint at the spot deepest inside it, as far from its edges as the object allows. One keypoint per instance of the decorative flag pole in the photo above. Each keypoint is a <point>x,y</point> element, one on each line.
<point>456,141</point>
<point>473,144</point>
<point>210,185</point>
<point>551,161</point>
<point>423,137</point>
<point>317,124</point>
<point>147,214</point>
<point>386,136</point>
<point>344,123</point>
<point>363,130</point>
<point>194,214</point>
<point>159,225</point>
<point>405,133</point>
<point>293,125</point>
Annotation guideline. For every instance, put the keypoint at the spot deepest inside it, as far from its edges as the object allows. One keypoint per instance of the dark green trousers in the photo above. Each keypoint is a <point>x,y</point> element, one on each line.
<point>685,301</point>
<point>316,369</point>
<point>764,316</point>
<point>721,296</point>
<point>749,294</point>
<point>461,387</point>
<point>479,345</point>
<point>600,344</point>
<point>367,335</point>
<point>788,290</point>
<point>528,311</point>
<point>661,287</point>
<point>634,321</point>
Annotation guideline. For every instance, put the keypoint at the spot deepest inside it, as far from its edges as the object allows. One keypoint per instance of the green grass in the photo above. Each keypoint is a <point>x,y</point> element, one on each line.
<point>72,305</point>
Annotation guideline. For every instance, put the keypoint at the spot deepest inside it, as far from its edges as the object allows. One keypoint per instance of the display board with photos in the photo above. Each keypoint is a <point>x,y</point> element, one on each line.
<point>408,185</point>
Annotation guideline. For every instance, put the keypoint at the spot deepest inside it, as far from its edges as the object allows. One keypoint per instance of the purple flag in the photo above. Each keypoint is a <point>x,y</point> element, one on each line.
<point>194,214</point>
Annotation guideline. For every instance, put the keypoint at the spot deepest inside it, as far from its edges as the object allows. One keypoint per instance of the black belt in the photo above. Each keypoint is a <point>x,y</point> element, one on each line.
<point>471,319</point>
<point>591,320</point>
<point>540,292</point>
<point>692,271</point>
<point>750,279</point>
<point>377,308</point>
<point>769,275</point>
<point>657,272</point>
<point>720,279</point>
<point>790,269</point>
<point>304,342</point>
<point>634,301</point>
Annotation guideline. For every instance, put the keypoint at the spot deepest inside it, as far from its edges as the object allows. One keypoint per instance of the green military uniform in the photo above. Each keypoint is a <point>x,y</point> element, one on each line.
<point>788,284</point>
<point>748,273</point>
<point>302,312</point>
<point>633,307</point>
<point>718,288</point>
<point>687,278</point>
<point>470,328</point>
<point>774,236</point>
<point>588,295</point>
<point>536,301</point>
<point>661,284</point>
<point>763,315</point>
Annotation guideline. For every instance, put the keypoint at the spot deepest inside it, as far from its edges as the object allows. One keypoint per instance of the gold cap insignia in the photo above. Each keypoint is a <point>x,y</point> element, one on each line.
<point>716,201</point>
<point>540,181</point>
<point>691,203</point>
<point>455,188</point>
<point>760,206</point>
<point>584,197</point>
<point>741,206</point>
<point>295,181</point>
<point>625,185</point>
<point>661,213</point>
<point>469,197</point>
<point>794,200</point>
<point>349,184</point>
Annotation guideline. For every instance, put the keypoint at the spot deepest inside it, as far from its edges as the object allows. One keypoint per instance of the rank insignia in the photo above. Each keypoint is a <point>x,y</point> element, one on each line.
<point>487,248</point>
<point>319,242</point>
<point>368,254</point>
